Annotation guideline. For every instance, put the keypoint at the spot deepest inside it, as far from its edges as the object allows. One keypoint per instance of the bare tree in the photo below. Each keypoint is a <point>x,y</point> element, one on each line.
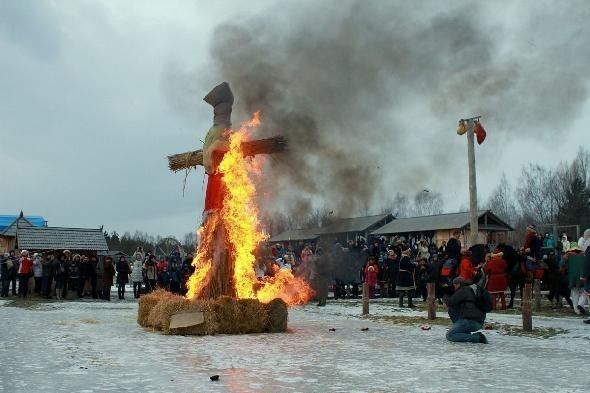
<point>428,203</point>
<point>190,241</point>
<point>502,202</point>
<point>537,193</point>
<point>320,217</point>
<point>399,206</point>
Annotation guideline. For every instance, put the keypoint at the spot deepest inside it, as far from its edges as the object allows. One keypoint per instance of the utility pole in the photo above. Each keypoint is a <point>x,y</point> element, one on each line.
<point>468,126</point>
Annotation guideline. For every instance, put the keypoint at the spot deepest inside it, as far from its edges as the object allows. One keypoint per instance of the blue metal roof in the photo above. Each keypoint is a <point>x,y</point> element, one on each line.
<point>7,220</point>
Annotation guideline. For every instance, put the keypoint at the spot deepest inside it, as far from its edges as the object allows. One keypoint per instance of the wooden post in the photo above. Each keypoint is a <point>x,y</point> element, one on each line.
<point>473,224</point>
<point>537,294</point>
<point>527,312</point>
<point>365,299</point>
<point>431,300</point>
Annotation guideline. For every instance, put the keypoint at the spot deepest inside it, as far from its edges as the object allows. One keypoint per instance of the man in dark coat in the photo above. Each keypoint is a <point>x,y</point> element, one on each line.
<point>466,316</point>
<point>454,246</point>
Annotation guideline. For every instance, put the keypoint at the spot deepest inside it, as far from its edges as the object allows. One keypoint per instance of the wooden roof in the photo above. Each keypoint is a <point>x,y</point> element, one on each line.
<point>442,222</point>
<point>55,238</point>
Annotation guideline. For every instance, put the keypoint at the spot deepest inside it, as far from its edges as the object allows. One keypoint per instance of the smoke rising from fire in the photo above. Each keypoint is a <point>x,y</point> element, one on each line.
<point>369,92</point>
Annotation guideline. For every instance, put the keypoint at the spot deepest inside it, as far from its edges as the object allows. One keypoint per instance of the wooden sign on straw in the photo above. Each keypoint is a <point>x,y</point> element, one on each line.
<point>192,159</point>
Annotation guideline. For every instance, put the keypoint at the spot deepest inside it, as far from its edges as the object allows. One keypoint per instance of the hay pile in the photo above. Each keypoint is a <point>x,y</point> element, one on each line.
<point>147,303</point>
<point>222,316</point>
<point>277,313</point>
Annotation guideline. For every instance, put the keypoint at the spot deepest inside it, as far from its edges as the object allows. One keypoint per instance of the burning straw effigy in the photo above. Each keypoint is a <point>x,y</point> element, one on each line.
<point>224,294</point>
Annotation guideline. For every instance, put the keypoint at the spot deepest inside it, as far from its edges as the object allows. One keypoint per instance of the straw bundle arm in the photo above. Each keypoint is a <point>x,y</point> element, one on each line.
<point>192,159</point>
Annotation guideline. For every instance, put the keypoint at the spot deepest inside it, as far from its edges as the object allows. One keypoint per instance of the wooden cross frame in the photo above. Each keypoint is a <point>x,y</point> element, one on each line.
<point>192,159</point>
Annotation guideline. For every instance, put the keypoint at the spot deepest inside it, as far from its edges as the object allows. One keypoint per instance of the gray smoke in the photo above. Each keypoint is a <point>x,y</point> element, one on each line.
<point>342,80</point>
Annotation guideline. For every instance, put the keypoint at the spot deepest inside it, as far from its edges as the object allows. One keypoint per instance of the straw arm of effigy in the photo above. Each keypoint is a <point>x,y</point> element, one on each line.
<point>191,159</point>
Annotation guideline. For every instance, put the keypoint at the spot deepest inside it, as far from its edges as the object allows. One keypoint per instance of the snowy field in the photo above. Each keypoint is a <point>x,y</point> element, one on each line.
<point>91,346</point>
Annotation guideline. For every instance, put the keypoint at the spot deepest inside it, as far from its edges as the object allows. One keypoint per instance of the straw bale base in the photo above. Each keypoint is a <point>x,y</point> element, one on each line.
<point>223,315</point>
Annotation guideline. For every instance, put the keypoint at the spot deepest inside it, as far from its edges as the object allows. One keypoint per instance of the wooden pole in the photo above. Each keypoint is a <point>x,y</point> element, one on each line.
<point>473,225</point>
<point>527,312</point>
<point>365,299</point>
<point>537,293</point>
<point>431,300</point>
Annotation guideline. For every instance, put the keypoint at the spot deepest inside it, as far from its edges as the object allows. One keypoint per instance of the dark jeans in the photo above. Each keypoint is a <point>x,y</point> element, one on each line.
<point>423,290</point>
<point>46,286</point>
<point>175,287</point>
<point>5,287</point>
<point>23,285</point>
<point>13,279</point>
<point>462,328</point>
<point>121,290</point>
<point>136,289</point>
<point>401,298</point>
<point>38,281</point>
<point>73,284</point>
<point>151,285</point>
<point>82,284</point>
<point>106,292</point>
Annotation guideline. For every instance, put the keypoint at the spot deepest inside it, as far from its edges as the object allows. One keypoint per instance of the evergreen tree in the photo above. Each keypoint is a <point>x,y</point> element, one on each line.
<point>576,206</point>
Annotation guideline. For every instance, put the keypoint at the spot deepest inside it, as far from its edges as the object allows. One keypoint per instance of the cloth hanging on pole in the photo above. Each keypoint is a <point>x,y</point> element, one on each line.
<point>480,133</point>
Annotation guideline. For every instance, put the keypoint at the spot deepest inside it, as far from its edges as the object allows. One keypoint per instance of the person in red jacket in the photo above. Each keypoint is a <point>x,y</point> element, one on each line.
<point>496,269</point>
<point>24,273</point>
<point>466,270</point>
<point>371,280</point>
<point>372,262</point>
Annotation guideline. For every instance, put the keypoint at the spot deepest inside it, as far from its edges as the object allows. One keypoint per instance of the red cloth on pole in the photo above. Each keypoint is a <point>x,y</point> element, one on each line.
<point>480,133</point>
<point>215,192</point>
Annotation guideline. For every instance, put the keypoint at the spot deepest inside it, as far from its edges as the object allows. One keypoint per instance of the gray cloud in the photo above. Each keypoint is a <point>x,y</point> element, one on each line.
<point>335,80</point>
<point>96,94</point>
<point>33,25</point>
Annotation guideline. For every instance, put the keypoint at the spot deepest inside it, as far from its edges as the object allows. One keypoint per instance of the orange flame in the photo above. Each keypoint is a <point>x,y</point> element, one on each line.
<point>239,215</point>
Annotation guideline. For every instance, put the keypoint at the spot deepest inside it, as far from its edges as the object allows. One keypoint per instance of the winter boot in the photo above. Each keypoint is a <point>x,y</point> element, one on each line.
<point>401,299</point>
<point>410,303</point>
<point>482,338</point>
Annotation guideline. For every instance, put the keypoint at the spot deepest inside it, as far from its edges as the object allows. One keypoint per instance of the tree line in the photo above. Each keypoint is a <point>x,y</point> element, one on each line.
<point>128,243</point>
<point>557,195</point>
<point>544,195</point>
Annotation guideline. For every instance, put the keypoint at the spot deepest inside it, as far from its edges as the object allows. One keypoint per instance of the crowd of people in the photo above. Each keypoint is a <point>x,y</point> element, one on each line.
<point>399,268</point>
<point>62,275</point>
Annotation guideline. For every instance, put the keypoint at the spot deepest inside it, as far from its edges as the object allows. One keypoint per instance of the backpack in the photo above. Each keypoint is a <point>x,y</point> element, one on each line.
<point>483,300</point>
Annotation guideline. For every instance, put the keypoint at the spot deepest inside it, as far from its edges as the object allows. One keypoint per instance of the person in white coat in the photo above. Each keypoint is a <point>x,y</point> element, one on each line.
<point>37,272</point>
<point>137,274</point>
<point>584,241</point>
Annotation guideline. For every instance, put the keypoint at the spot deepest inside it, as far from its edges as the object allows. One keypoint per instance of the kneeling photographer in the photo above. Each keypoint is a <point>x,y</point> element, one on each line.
<point>467,309</point>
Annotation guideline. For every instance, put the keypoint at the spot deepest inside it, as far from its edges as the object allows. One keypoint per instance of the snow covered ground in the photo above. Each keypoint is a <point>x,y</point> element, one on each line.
<point>91,346</point>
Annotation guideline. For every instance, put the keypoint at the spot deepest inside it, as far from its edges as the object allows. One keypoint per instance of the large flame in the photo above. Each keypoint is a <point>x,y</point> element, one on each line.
<point>239,216</point>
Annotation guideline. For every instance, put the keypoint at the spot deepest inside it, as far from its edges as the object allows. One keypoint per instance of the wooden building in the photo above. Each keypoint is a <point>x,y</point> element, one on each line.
<point>53,239</point>
<point>9,225</point>
<point>341,230</point>
<point>440,227</point>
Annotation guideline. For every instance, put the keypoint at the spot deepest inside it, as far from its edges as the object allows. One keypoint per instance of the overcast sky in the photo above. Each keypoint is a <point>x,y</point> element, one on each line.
<point>87,117</point>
